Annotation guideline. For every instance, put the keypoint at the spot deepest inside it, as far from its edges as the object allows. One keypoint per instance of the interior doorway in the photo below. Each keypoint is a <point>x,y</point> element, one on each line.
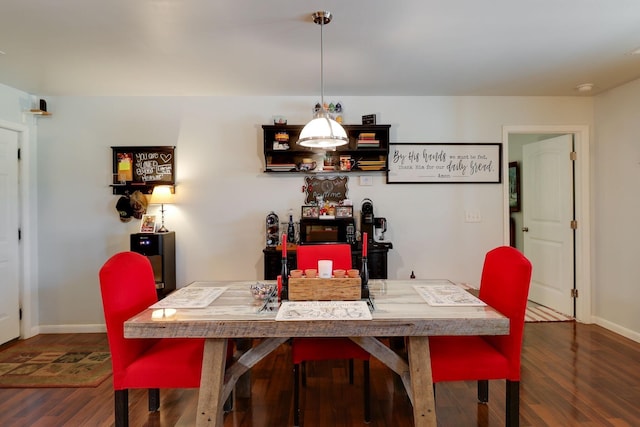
<point>514,138</point>
<point>27,223</point>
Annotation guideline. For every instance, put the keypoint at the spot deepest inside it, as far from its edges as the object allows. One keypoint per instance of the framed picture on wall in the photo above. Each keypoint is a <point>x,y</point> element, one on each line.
<point>514,187</point>
<point>148,224</point>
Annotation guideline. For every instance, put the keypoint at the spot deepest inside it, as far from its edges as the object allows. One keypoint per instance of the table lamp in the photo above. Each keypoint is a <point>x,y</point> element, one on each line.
<point>162,195</point>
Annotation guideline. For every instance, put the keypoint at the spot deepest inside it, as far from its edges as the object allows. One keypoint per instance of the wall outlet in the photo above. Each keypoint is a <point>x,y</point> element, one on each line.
<point>472,216</point>
<point>366,180</point>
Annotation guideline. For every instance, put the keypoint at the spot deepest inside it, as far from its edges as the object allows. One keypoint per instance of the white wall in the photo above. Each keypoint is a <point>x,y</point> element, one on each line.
<point>616,206</point>
<point>223,197</point>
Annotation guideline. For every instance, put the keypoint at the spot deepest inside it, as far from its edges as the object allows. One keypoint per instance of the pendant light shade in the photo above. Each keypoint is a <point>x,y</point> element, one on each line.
<point>322,131</point>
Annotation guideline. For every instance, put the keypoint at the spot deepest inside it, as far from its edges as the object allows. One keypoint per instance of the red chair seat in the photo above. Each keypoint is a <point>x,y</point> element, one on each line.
<point>183,354</point>
<point>326,349</point>
<point>450,359</point>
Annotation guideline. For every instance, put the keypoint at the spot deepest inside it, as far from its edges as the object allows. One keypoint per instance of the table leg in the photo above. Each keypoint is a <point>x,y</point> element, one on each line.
<point>243,386</point>
<point>424,409</point>
<point>210,403</point>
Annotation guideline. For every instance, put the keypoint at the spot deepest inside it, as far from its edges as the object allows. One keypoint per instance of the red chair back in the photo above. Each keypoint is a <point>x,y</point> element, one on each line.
<point>504,285</point>
<point>128,286</point>
<point>308,255</point>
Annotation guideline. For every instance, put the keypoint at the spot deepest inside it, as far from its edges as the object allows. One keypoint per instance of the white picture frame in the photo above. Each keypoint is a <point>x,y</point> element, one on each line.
<point>148,224</point>
<point>445,163</point>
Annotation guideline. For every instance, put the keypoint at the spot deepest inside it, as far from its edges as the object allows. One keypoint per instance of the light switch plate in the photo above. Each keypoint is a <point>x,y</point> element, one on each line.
<point>366,180</point>
<point>472,216</point>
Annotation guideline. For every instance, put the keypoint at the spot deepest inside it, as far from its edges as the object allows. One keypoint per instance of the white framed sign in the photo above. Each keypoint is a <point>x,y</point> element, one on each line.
<point>445,163</point>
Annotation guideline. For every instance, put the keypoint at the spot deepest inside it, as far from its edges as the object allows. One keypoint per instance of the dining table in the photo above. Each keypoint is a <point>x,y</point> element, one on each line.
<point>221,310</point>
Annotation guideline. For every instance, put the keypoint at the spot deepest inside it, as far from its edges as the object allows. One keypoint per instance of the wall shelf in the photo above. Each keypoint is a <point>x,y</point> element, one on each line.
<point>368,148</point>
<point>37,112</point>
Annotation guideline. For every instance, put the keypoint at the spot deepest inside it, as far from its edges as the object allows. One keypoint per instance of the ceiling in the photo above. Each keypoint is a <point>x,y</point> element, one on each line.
<point>272,47</point>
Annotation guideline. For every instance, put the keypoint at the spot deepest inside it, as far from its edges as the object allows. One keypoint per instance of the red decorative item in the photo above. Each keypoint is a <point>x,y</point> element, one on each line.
<point>284,245</point>
<point>364,245</point>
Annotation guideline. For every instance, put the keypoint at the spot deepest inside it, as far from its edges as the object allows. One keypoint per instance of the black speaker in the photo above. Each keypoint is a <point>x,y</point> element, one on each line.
<point>160,249</point>
<point>43,105</point>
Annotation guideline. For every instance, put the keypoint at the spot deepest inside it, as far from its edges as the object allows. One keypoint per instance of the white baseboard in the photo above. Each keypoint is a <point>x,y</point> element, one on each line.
<point>625,332</point>
<point>72,329</point>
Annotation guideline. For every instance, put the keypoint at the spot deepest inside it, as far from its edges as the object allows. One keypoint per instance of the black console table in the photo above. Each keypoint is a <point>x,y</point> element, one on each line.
<point>376,261</point>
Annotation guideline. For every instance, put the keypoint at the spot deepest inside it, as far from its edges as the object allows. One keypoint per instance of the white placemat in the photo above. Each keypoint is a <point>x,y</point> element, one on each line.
<point>323,310</point>
<point>447,295</point>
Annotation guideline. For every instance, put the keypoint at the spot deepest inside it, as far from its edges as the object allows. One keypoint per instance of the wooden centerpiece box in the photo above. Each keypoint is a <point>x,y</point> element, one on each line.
<point>317,289</point>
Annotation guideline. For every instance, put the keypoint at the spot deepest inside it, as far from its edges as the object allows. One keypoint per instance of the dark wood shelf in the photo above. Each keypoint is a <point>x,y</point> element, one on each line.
<point>277,160</point>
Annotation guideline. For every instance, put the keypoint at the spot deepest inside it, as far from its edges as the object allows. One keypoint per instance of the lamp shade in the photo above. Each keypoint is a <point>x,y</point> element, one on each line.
<point>323,132</point>
<point>162,195</point>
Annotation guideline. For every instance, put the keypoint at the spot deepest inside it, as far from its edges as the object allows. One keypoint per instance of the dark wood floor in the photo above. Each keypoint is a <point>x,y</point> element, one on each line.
<point>572,375</point>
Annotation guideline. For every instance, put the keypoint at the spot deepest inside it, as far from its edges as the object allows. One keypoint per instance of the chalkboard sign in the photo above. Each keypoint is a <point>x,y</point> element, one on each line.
<point>332,189</point>
<point>445,163</point>
<point>142,168</point>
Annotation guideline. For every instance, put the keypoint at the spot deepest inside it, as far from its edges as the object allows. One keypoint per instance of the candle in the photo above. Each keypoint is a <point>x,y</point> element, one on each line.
<point>364,245</point>
<point>284,245</point>
<point>325,268</point>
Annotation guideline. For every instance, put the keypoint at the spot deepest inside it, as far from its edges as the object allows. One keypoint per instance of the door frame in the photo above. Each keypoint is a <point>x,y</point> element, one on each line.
<point>582,201</point>
<point>28,220</point>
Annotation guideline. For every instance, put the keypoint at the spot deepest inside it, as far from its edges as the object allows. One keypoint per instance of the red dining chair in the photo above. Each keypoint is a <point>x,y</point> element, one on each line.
<point>128,287</point>
<point>307,349</point>
<point>504,285</point>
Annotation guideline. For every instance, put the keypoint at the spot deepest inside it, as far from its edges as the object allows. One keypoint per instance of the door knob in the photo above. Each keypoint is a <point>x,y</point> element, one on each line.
<point>525,229</point>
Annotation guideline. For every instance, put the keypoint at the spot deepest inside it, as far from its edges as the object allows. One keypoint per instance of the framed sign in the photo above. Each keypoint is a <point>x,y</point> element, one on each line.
<point>332,189</point>
<point>142,168</point>
<point>445,163</point>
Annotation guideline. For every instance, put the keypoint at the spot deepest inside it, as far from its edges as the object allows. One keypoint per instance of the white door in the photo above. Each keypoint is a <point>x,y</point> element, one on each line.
<point>9,250</point>
<point>547,197</point>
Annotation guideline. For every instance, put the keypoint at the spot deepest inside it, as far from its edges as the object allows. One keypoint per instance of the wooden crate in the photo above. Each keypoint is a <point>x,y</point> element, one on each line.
<point>334,289</point>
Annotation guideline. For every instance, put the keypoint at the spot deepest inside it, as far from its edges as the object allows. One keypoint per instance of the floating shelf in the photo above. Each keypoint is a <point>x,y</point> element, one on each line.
<point>37,112</point>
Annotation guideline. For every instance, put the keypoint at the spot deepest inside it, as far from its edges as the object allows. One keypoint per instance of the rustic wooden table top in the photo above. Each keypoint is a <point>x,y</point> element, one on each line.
<point>399,311</point>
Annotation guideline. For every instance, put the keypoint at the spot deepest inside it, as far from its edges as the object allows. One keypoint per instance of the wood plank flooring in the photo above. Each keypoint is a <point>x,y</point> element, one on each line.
<point>572,375</point>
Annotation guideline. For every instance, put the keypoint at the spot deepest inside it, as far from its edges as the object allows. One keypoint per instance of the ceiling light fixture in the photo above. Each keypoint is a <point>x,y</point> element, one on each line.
<point>322,131</point>
<point>585,87</point>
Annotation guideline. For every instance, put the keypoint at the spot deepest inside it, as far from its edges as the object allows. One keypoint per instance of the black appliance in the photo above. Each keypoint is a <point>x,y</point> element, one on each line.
<point>160,249</point>
<point>367,219</point>
<point>336,230</point>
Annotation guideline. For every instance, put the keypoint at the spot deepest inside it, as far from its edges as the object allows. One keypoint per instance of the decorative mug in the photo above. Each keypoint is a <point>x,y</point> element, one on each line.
<point>307,166</point>
<point>346,163</point>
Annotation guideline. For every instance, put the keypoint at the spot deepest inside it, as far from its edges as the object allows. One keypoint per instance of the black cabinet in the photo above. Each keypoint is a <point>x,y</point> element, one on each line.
<point>368,149</point>
<point>376,261</point>
<point>160,249</point>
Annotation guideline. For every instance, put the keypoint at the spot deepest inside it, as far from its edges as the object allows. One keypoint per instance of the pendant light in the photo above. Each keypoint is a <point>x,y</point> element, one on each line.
<point>322,131</point>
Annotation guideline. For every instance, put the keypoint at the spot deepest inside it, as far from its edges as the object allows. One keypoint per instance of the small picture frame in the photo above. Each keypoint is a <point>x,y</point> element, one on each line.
<point>310,212</point>
<point>344,211</point>
<point>148,224</point>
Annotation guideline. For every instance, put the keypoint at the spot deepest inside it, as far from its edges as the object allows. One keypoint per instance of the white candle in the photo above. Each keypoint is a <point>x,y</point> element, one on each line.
<point>325,268</point>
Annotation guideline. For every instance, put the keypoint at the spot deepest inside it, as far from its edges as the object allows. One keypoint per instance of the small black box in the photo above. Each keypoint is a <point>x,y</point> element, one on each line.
<point>369,119</point>
<point>43,105</point>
